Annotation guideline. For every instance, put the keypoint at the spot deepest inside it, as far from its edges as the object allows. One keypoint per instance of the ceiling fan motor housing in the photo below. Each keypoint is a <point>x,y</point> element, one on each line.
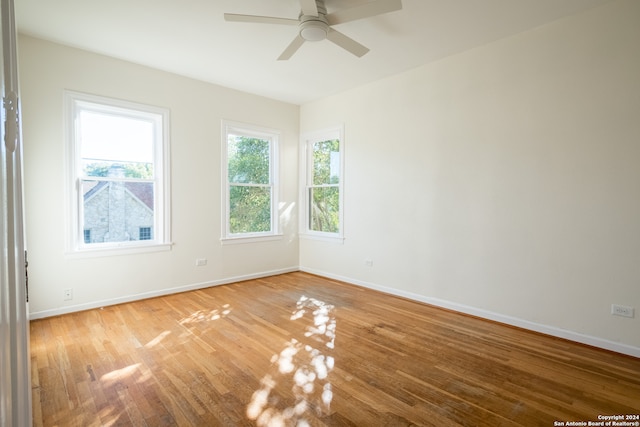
<point>314,28</point>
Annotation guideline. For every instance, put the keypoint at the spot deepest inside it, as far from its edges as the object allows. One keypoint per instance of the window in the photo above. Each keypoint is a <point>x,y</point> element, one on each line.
<point>145,233</point>
<point>118,173</point>
<point>323,184</point>
<point>249,166</point>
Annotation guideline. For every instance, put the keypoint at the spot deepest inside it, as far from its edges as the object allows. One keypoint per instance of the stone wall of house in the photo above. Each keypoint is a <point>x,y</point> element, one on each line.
<point>114,214</point>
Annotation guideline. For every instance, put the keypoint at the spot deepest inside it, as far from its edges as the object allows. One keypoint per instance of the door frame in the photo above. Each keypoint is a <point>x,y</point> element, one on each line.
<point>15,369</point>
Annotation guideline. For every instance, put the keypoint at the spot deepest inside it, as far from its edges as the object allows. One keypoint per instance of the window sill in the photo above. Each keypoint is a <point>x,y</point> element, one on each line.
<point>250,239</point>
<point>323,238</point>
<point>118,250</point>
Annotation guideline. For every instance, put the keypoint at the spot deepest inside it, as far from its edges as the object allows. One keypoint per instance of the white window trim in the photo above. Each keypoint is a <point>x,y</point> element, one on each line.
<point>273,135</point>
<point>306,139</point>
<point>75,246</point>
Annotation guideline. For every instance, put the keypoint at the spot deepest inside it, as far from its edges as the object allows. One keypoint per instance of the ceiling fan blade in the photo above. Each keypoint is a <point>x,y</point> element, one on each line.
<point>347,43</point>
<point>309,7</point>
<point>260,19</point>
<point>292,48</point>
<point>366,10</point>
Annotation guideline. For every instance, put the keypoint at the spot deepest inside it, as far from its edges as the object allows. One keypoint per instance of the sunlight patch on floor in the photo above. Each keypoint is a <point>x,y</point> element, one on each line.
<point>207,315</point>
<point>119,374</point>
<point>304,364</point>
<point>157,340</point>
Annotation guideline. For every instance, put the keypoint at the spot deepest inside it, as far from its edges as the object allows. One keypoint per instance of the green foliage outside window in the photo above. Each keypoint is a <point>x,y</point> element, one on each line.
<point>130,169</point>
<point>324,194</point>
<point>249,184</point>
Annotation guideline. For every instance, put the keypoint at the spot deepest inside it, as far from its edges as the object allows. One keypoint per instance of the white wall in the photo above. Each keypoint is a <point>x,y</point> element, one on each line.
<point>504,181</point>
<point>46,69</point>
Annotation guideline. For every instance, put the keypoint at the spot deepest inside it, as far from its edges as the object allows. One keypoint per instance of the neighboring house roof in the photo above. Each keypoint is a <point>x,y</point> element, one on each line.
<point>89,188</point>
<point>142,191</point>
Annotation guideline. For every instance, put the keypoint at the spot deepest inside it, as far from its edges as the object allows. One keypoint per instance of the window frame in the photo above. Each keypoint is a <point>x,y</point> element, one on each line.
<point>307,139</point>
<point>259,132</point>
<point>75,103</point>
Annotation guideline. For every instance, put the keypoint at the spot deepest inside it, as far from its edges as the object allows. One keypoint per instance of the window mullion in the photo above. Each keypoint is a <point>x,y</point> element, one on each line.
<point>245,184</point>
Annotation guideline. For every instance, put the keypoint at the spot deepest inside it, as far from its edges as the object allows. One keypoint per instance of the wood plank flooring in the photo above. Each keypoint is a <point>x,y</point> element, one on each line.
<point>297,349</point>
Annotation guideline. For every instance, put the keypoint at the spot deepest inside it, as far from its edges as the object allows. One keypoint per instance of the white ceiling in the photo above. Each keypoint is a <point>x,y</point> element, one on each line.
<point>191,38</point>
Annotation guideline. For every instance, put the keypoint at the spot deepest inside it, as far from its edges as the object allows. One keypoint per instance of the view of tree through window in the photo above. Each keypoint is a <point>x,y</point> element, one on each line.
<point>131,170</point>
<point>324,191</point>
<point>250,187</point>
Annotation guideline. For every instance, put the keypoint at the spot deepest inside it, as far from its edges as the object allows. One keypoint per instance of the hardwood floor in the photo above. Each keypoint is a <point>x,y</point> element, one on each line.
<point>298,349</point>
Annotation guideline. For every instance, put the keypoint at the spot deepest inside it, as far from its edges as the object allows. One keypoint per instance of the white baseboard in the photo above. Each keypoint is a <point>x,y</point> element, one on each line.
<point>485,314</point>
<point>135,297</point>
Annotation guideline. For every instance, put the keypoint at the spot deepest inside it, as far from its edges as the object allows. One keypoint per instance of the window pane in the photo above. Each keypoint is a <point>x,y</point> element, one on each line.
<point>116,211</point>
<point>248,160</point>
<point>145,233</point>
<point>249,209</point>
<point>326,162</point>
<point>324,209</point>
<point>113,137</point>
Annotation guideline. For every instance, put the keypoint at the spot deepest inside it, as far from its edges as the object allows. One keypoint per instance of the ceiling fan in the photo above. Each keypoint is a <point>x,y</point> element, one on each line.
<point>314,24</point>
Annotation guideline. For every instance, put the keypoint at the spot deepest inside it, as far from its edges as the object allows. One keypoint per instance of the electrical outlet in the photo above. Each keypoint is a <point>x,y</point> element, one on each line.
<point>67,294</point>
<point>368,262</point>
<point>621,310</point>
<point>201,262</point>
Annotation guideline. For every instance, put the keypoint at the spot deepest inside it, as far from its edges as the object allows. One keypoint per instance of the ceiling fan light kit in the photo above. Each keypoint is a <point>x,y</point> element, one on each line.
<point>314,24</point>
<point>314,30</point>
